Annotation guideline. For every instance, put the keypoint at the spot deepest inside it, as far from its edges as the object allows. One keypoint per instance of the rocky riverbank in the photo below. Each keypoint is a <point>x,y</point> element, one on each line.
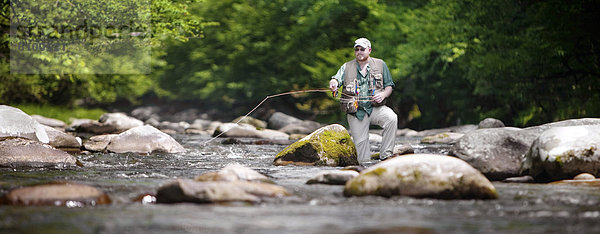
<point>479,153</point>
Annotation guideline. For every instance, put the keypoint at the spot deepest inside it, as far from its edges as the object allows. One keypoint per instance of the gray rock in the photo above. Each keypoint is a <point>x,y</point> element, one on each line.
<point>565,123</point>
<point>16,123</point>
<point>178,127</point>
<point>497,152</point>
<point>564,152</point>
<point>21,152</point>
<point>252,121</point>
<point>120,121</point>
<point>65,194</point>
<point>144,140</point>
<point>338,177</point>
<point>491,123</point>
<point>55,123</point>
<point>248,131</point>
<point>422,175</point>
<point>234,172</point>
<point>60,139</point>
<point>279,120</point>
<point>442,138</point>
<point>330,145</point>
<point>403,149</point>
<point>185,190</point>
<point>98,143</point>
<point>147,112</point>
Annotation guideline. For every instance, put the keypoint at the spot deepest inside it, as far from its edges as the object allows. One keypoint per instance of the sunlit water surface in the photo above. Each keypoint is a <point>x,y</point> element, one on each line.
<point>523,208</point>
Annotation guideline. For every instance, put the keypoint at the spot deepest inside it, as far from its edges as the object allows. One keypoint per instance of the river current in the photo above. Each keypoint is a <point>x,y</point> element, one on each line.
<point>520,208</point>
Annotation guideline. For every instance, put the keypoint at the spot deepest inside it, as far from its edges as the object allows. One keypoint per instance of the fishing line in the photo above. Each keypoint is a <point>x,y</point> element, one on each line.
<point>265,99</point>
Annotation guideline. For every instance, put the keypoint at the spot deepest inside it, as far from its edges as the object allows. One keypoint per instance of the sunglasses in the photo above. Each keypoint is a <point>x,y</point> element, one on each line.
<point>361,49</point>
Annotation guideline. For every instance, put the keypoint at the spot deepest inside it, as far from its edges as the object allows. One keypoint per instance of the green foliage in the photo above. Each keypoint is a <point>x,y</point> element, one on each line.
<point>60,112</point>
<point>524,62</point>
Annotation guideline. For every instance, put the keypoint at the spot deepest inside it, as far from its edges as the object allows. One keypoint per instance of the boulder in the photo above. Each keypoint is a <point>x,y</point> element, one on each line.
<point>120,121</point>
<point>234,172</point>
<point>337,177</point>
<point>442,138</point>
<point>185,190</point>
<point>64,194</point>
<point>564,152</point>
<point>60,139</point>
<point>98,143</point>
<point>491,123</point>
<point>21,152</point>
<point>497,152</point>
<point>248,131</point>
<point>55,123</point>
<point>146,112</point>
<point>144,140</point>
<point>565,123</point>
<point>16,123</point>
<point>257,123</point>
<point>279,120</point>
<point>422,175</point>
<point>327,146</point>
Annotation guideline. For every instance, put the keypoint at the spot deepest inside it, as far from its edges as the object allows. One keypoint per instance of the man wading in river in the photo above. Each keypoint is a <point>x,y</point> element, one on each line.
<point>366,82</point>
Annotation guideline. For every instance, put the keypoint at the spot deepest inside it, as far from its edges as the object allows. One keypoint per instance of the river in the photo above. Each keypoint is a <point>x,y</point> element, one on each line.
<point>521,208</point>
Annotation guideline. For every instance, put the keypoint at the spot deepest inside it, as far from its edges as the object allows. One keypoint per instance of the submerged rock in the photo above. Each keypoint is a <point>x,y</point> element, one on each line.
<point>337,177</point>
<point>65,194</point>
<point>328,146</point>
<point>144,140</point>
<point>497,152</point>
<point>234,172</point>
<point>16,123</point>
<point>422,175</point>
<point>563,152</point>
<point>21,152</point>
<point>185,190</point>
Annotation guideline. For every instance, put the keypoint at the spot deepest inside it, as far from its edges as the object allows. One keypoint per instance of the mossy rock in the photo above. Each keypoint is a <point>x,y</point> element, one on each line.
<point>422,175</point>
<point>327,146</point>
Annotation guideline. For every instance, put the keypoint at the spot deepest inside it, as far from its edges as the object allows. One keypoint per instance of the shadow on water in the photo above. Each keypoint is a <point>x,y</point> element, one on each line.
<point>531,208</point>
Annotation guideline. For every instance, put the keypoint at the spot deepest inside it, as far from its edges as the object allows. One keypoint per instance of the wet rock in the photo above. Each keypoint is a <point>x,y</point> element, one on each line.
<point>120,121</point>
<point>16,123</point>
<point>497,152</point>
<point>21,152</point>
<point>564,152</point>
<point>146,112</point>
<point>234,172</point>
<point>584,176</point>
<point>144,140</point>
<point>339,177</point>
<point>491,123</point>
<point>422,175</point>
<point>565,123</point>
<point>55,123</point>
<point>442,138</point>
<point>519,179</point>
<point>60,139</point>
<point>257,123</point>
<point>586,179</point>
<point>185,190</point>
<point>458,129</point>
<point>402,149</point>
<point>178,127</point>
<point>328,146</point>
<point>248,131</point>
<point>98,143</point>
<point>279,120</point>
<point>65,194</point>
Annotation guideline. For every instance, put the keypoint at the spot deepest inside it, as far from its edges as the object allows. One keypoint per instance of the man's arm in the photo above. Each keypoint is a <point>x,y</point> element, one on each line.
<point>336,80</point>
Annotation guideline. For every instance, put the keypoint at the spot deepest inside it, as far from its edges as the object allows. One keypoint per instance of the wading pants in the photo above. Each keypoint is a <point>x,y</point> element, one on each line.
<point>359,130</point>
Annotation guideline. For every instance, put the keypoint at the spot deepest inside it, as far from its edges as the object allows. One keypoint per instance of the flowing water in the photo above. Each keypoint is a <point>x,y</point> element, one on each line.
<point>521,208</point>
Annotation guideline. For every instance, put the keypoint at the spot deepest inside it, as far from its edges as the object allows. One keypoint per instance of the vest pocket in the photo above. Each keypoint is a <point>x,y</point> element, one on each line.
<point>348,105</point>
<point>377,80</point>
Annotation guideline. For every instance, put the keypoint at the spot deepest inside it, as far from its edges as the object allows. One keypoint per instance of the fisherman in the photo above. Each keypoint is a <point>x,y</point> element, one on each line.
<point>366,82</point>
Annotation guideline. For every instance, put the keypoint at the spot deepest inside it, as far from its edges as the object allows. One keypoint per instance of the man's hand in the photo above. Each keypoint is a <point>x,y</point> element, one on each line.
<point>378,98</point>
<point>333,85</point>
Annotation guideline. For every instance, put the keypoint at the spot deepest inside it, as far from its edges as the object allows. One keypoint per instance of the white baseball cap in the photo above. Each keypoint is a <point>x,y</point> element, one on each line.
<point>363,42</point>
